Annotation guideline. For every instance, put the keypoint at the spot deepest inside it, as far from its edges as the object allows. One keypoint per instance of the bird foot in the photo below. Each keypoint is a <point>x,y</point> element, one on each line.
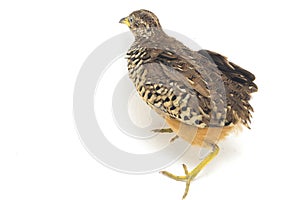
<point>166,130</point>
<point>189,176</point>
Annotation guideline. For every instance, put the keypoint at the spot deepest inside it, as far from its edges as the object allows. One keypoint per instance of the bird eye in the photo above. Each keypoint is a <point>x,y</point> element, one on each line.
<point>130,19</point>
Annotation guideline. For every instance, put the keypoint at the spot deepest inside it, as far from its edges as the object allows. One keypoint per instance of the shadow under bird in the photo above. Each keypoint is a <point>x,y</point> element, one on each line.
<point>201,95</point>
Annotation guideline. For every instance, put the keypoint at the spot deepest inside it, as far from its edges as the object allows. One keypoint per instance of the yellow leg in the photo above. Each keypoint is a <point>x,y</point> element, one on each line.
<point>163,130</point>
<point>189,176</point>
<point>174,138</point>
<point>166,130</point>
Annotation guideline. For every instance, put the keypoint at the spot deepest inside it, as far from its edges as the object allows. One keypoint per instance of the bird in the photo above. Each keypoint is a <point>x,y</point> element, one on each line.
<point>202,96</point>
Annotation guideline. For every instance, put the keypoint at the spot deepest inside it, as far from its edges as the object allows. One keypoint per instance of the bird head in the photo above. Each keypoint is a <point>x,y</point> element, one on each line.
<point>142,23</point>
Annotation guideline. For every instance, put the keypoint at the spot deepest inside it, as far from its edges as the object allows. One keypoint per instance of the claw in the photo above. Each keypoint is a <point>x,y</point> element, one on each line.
<point>189,176</point>
<point>185,169</point>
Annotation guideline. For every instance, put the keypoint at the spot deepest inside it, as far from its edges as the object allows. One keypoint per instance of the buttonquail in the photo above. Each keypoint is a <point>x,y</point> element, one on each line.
<point>201,95</point>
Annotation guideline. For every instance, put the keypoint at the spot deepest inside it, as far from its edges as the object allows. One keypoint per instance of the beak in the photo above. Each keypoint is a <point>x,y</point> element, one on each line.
<point>125,21</point>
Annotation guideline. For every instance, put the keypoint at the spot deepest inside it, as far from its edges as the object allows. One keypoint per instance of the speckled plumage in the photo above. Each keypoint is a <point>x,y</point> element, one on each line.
<point>177,81</point>
<point>201,95</point>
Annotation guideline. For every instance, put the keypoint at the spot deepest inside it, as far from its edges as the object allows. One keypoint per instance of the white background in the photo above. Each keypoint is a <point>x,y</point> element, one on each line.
<point>42,47</point>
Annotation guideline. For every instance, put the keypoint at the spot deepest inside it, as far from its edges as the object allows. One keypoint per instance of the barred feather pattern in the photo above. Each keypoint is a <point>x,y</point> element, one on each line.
<point>165,82</point>
<point>198,88</point>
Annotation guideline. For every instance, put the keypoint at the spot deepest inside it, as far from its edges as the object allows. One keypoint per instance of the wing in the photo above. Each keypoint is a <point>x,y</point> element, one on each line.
<point>239,86</point>
<point>178,87</point>
<point>231,70</point>
<point>172,86</point>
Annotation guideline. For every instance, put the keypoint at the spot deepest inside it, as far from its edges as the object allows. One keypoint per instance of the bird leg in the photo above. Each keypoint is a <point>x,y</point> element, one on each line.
<point>189,176</point>
<point>174,138</point>
<point>166,130</point>
<point>163,130</point>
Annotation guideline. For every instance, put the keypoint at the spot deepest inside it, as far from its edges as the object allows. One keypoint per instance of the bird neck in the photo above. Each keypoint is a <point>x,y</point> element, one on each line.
<point>148,33</point>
